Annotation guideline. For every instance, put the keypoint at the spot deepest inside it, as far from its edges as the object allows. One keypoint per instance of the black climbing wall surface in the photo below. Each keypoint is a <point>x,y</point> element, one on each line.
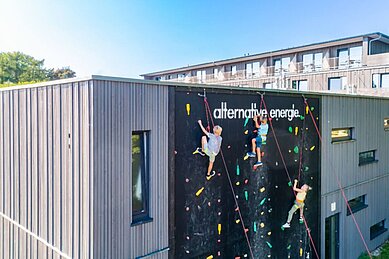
<point>207,224</point>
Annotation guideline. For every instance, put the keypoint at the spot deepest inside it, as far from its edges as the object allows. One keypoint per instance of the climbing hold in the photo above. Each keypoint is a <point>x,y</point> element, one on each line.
<point>237,183</point>
<point>228,146</point>
<point>237,221</point>
<point>237,170</point>
<point>219,174</point>
<point>237,208</point>
<point>219,200</point>
<point>209,204</point>
<point>255,226</point>
<point>237,257</point>
<point>312,108</point>
<point>262,225</point>
<point>246,181</point>
<point>296,149</point>
<point>276,186</point>
<point>270,210</point>
<point>187,237</point>
<point>301,252</point>
<point>262,213</point>
<point>306,109</point>
<point>262,189</point>
<point>262,202</point>
<point>290,151</point>
<point>246,121</point>
<point>246,230</point>
<point>302,117</point>
<point>296,131</point>
<point>219,213</point>
<point>236,196</point>
<point>269,233</point>
<point>188,108</point>
<point>246,195</point>
<point>269,245</point>
<point>210,257</point>
<point>187,251</point>
<point>306,169</point>
<point>289,246</point>
<point>219,228</point>
<point>175,152</point>
<point>199,191</point>
<point>290,183</point>
<point>246,132</point>
<point>218,253</point>
<point>312,148</point>
<point>245,255</point>
<point>246,157</point>
<point>218,240</point>
<point>268,256</point>
<point>290,129</point>
<point>187,208</point>
<point>276,163</point>
<point>187,180</point>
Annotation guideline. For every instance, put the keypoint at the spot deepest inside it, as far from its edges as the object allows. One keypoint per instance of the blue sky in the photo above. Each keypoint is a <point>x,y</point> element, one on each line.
<point>128,38</point>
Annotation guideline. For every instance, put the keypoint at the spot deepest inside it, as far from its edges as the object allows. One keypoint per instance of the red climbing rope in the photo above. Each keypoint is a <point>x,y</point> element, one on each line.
<point>287,172</point>
<point>208,110</point>
<point>338,182</point>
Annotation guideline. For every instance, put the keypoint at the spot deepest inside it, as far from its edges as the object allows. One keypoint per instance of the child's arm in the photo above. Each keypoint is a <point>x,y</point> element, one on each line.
<point>256,121</point>
<point>202,127</point>
<point>295,187</point>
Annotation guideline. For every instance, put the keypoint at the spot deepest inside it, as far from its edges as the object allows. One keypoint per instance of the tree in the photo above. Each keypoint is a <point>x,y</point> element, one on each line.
<point>17,67</point>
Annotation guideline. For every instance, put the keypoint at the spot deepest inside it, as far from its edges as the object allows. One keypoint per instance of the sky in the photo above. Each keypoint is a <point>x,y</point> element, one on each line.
<point>127,38</point>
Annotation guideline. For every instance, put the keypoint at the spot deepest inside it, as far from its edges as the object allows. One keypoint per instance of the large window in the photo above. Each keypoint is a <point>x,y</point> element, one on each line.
<point>367,157</point>
<point>312,62</point>
<point>380,80</point>
<point>357,204</point>
<point>377,229</point>
<point>341,134</point>
<point>201,75</point>
<point>301,85</point>
<point>140,177</point>
<point>337,83</point>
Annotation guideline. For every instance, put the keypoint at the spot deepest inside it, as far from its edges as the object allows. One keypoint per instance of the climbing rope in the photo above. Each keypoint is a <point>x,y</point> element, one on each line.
<point>338,182</point>
<point>287,172</point>
<point>208,110</point>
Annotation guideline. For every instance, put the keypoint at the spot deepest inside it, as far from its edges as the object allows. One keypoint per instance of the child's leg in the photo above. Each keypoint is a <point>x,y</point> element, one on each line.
<point>301,210</point>
<point>203,142</point>
<point>291,212</point>
<point>253,145</point>
<point>259,154</point>
<point>210,168</point>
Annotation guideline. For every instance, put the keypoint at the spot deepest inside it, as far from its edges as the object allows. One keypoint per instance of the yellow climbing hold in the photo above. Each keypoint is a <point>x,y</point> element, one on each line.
<point>199,191</point>
<point>210,257</point>
<point>262,225</point>
<point>312,148</point>
<point>262,189</point>
<point>296,131</point>
<point>246,132</point>
<point>237,221</point>
<point>246,157</point>
<point>188,108</point>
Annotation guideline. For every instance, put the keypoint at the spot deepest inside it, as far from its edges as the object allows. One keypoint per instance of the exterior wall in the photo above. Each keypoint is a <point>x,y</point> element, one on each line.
<point>366,115</point>
<point>119,109</point>
<point>44,171</point>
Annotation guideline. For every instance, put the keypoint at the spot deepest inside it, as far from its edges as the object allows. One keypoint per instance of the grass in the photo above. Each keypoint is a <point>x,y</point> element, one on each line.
<point>384,253</point>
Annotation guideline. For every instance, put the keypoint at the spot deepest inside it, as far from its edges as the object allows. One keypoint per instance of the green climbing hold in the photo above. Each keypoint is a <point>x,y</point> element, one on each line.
<point>262,201</point>
<point>268,244</point>
<point>246,121</point>
<point>306,169</point>
<point>237,170</point>
<point>296,149</point>
<point>246,195</point>
<point>302,117</point>
<point>255,226</point>
<point>290,129</point>
<point>289,246</point>
<point>290,183</point>
<point>312,108</point>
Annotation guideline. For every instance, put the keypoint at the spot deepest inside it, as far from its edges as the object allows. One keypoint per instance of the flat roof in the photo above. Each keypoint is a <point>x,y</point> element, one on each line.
<point>312,46</point>
<point>188,85</point>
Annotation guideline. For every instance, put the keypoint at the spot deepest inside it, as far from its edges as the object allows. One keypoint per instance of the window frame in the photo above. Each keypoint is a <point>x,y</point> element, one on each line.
<point>367,161</point>
<point>379,231</point>
<point>343,139</point>
<point>359,205</point>
<point>143,216</point>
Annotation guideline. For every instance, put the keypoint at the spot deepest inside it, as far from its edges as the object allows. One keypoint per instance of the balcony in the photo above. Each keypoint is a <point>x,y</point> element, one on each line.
<point>271,72</point>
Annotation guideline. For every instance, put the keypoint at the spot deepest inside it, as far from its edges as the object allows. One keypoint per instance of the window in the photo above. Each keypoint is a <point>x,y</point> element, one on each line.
<point>339,135</point>
<point>215,72</point>
<point>201,75</point>
<point>233,70</point>
<point>355,56</point>
<point>318,57</point>
<point>249,70</point>
<point>337,83</point>
<point>307,62</point>
<point>384,81</point>
<point>256,70</point>
<point>277,66</point>
<point>181,76</point>
<point>301,85</point>
<point>357,204</point>
<point>343,58</point>
<point>377,229</point>
<point>140,177</point>
<point>367,157</point>
<point>285,62</point>
<point>375,81</point>
<point>386,123</point>
<point>268,85</point>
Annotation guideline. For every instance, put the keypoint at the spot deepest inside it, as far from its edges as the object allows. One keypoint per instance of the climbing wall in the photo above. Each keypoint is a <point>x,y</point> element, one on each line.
<point>207,219</point>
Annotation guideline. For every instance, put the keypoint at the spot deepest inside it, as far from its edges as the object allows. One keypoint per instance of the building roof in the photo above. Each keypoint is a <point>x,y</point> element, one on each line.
<point>280,52</point>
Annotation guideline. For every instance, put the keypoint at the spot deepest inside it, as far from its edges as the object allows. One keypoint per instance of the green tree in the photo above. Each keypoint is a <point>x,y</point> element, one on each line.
<point>17,68</point>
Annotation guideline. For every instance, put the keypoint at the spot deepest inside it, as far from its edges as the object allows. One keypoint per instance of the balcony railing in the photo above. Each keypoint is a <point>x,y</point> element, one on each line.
<point>272,71</point>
